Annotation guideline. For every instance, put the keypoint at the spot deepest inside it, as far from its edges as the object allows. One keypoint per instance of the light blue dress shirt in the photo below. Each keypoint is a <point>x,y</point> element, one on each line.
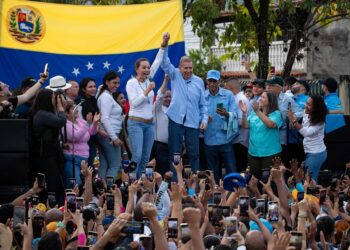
<point>283,100</point>
<point>188,105</point>
<point>333,102</point>
<point>264,141</point>
<point>216,133</point>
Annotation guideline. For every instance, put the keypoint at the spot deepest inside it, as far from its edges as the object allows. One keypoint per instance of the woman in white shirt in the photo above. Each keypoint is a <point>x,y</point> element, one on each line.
<point>111,121</point>
<point>312,128</point>
<point>140,122</point>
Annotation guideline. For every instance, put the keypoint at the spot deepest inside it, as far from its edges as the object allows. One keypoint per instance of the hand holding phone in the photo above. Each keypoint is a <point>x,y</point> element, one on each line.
<point>273,213</point>
<point>41,180</point>
<point>71,201</point>
<point>46,68</point>
<point>244,202</point>
<point>172,228</point>
<point>18,216</point>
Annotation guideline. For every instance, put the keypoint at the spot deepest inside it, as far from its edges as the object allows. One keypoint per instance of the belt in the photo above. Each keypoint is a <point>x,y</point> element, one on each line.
<point>139,119</point>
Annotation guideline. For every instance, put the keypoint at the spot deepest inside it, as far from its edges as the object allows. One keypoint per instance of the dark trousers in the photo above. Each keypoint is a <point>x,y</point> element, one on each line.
<point>160,152</point>
<point>220,157</point>
<point>176,134</point>
<point>241,153</point>
<point>257,164</point>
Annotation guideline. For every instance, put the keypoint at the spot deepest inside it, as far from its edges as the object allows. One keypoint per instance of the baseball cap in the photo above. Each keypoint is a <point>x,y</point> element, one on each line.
<point>305,84</point>
<point>254,226</point>
<point>213,74</point>
<point>234,180</point>
<point>260,82</point>
<point>28,82</point>
<point>249,85</point>
<point>276,80</point>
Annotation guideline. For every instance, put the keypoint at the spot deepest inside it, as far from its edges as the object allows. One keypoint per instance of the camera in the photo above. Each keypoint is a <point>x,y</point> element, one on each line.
<point>90,211</point>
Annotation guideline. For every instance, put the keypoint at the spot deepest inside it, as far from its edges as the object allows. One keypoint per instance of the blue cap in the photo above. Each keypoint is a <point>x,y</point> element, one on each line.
<point>254,226</point>
<point>234,180</point>
<point>213,74</point>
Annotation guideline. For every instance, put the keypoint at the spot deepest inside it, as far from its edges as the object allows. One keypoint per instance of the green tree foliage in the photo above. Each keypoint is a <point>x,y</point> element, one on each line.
<point>203,61</point>
<point>254,24</point>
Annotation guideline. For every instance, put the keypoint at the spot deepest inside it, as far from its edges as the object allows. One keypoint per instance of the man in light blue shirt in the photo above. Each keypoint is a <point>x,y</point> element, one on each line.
<point>188,108</point>
<point>223,118</point>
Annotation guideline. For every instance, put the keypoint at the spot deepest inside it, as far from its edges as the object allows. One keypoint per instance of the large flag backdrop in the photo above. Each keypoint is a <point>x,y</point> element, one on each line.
<point>84,41</point>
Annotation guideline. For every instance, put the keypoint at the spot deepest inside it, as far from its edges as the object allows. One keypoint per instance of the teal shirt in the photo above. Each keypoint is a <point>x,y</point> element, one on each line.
<point>264,141</point>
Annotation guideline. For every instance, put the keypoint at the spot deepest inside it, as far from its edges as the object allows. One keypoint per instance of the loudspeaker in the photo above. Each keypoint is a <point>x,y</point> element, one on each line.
<point>14,158</point>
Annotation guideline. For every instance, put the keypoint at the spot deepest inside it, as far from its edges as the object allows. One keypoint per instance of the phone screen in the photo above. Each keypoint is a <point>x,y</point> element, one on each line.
<point>149,173</point>
<point>41,180</point>
<point>211,211</point>
<point>109,182</point>
<point>132,177</point>
<point>300,196</point>
<point>110,202</point>
<point>296,240</point>
<point>177,158</point>
<point>51,198</point>
<point>225,211</point>
<point>231,225</point>
<point>265,175</point>
<point>18,216</point>
<point>323,193</point>
<point>185,233</point>
<point>260,207</point>
<point>35,200</point>
<point>188,172</point>
<point>220,106</point>
<point>243,205</point>
<point>273,213</point>
<point>38,224</point>
<point>92,238</point>
<point>217,198</point>
<point>172,228</point>
<point>80,203</point>
<point>71,202</point>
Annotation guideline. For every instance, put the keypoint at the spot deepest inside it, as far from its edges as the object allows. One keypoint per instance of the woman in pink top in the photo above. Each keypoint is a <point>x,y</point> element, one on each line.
<point>82,132</point>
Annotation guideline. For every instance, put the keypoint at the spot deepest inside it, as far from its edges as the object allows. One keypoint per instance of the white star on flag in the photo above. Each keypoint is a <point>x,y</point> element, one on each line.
<point>89,66</point>
<point>120,69</point>
<point>76,71</point>
<point>106,65</point>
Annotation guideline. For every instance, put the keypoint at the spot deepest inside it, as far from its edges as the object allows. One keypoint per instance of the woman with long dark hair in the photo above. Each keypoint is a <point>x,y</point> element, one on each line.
<point>264,140</point>
<point>87,91</point>
<point>312,128</point>
<point>47,118</point>
<point>111,121</point>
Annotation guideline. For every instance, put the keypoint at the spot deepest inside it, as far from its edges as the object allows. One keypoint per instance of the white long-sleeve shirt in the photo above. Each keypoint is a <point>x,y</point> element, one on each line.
<point>313,136</point>
<point>141,105</point>
<point>160,119</point>
<point>243,137</point>
<point>111,114</point>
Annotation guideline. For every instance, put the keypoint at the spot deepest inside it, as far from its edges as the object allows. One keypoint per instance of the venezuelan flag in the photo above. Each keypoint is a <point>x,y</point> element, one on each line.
<point>84,41</point>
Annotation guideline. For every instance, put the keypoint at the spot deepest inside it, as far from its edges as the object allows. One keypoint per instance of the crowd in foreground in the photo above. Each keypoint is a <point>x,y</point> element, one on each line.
<point>240,212</point>
<point>151,187</point>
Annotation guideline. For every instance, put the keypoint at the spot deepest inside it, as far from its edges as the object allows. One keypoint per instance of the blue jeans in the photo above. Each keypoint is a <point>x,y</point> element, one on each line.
<point>141,136</point>
<point>110,158</point>
<point>314,163</point>
<point>68,170</point>
<point>220,156</point>
<point>176,134</point>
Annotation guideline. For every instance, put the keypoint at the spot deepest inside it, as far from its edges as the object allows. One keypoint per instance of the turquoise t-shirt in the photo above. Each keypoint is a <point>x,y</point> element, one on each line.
<point>264,141</point>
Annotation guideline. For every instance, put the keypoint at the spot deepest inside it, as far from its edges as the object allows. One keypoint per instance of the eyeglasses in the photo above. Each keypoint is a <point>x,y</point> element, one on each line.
<point>212,81</point>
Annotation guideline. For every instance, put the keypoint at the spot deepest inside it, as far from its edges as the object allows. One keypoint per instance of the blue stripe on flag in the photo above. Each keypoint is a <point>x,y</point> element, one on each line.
<point>18,64</point>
